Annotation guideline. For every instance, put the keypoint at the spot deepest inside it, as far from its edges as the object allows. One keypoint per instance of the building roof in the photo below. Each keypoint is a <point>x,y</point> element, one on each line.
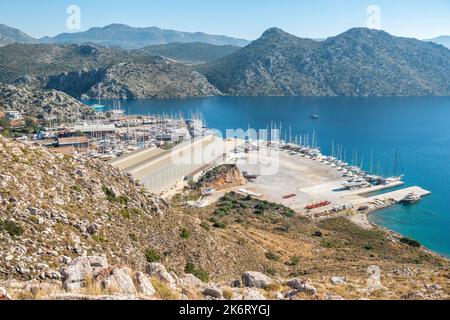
<point>72,140</point>
<point>95,128</point>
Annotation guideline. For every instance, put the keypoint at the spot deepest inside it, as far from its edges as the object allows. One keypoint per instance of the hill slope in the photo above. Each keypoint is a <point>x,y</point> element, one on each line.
<point>78,69</point>
<point>120,35</point>
<point>54,208</point>
<point>443,40</point>
<point>10,35</point>
<point>359,62</point>
<point>190,53</point>
<point>156,79</point>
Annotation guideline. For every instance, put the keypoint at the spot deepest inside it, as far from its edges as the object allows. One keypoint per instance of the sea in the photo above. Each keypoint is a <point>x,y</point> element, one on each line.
<point>367,131</point>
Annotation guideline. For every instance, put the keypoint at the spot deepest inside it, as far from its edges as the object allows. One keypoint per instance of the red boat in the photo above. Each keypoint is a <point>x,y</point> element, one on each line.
<point>318,205</point>
<point>289,196</point>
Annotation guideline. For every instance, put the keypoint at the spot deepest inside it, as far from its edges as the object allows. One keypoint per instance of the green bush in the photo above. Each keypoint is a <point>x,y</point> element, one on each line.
<point>185,234</point>
<point>152,255</point>
<point>123,200</point>
<point>125,213</point>
<point>12,228</point>
<point>411,242</point>
<point>221,212</point>
<point>110,195</point>
<point>198,272</point>
<point>289,213</point>
<point>295,260</point>
<point>218,224</point>
<point>205,225</point>
<point>76,188</point>
<point>272,256</point>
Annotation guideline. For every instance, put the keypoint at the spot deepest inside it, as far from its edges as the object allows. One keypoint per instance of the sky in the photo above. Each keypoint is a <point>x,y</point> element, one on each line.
<point>248,19</point>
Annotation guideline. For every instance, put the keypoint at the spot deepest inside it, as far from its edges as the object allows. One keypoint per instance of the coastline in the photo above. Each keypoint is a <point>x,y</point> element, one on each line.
<point>394,233</point>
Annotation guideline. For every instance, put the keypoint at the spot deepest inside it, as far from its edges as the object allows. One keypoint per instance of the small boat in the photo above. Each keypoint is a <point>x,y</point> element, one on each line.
<point>315,116</point>
<point>318,205</point>
<point>411,198</point>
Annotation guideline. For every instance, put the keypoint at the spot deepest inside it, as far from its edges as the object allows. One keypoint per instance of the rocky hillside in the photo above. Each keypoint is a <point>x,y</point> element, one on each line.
<point>41,60</point>
<point>159,78</point>
<point>190,53</point>
<point>76,228</point>
<point>120,35</point>
<point>41,104</point>
<point>79,70</point>
<point>10,35</point>
<point>53,206</point>
<point>359,62</point>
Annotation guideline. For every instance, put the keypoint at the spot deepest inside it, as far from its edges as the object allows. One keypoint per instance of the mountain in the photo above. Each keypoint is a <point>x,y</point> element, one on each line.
<point>42,60</point>
<point>10,35</point>
<point>79,69</point>
<point>444,40</point>
<point>120,35</point>
<point>191,53</point>
<point>359,62</point>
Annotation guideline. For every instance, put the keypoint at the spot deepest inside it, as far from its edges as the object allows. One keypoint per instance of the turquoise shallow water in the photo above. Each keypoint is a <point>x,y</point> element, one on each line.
<point>418,126</point>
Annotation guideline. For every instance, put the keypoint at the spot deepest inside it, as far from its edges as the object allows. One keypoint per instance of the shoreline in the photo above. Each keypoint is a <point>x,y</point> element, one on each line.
<point>396,233</point>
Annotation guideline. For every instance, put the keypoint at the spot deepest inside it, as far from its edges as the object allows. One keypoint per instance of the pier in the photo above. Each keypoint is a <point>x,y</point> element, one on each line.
<point>394,196</point>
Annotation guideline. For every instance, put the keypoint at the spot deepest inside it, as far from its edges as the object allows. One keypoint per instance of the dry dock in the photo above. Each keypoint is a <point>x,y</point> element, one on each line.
<point>160,170</point>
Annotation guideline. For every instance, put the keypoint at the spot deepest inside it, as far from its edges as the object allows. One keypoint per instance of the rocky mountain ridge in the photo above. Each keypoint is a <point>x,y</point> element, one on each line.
<point>10,35</point>
<point>120,35</point>
<point>359,62</point>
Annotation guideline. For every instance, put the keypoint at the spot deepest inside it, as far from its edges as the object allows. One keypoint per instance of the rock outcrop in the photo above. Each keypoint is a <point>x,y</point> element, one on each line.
<point>255,280</point>
<point>222,177</point>
<point>42,104</point>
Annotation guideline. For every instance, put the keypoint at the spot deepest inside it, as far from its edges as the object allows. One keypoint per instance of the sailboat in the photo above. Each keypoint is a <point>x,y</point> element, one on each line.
<point>395,178</point>
<point>98,107</point>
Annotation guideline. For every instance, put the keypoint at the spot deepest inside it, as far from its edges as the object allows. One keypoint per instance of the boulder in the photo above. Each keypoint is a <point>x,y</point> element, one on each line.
<point>75,274</point>
<point>338,280</point>
<point>191,281</point>
<point>4,295</point>
<point>302,286</point>
<point>255,280</point>
<point>143,285</point>
<point>252,294</point>
<point>159,271</point>
<point>119,281</point>
<point>213,291</point>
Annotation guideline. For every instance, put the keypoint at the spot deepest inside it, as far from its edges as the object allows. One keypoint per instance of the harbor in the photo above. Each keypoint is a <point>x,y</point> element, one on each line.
<point>307,181</point>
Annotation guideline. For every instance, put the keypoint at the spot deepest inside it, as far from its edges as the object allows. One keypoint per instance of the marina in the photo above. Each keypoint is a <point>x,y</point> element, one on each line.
<point>150,125</point>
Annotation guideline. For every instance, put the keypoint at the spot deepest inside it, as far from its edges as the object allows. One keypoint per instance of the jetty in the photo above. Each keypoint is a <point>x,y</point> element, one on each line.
<point>394,196</point>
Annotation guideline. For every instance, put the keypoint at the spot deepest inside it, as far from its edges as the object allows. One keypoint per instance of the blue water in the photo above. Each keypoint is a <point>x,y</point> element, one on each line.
<point>418,127</point>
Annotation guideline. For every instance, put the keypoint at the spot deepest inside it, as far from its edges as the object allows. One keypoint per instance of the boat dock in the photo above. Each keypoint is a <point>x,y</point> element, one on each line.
<point>394,196</point>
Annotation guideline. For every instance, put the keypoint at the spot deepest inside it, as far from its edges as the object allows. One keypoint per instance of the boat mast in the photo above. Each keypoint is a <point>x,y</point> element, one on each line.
<point>396,161</point>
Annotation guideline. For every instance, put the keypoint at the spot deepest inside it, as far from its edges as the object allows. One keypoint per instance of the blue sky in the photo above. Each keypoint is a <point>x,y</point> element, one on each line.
<point>239,18</point>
